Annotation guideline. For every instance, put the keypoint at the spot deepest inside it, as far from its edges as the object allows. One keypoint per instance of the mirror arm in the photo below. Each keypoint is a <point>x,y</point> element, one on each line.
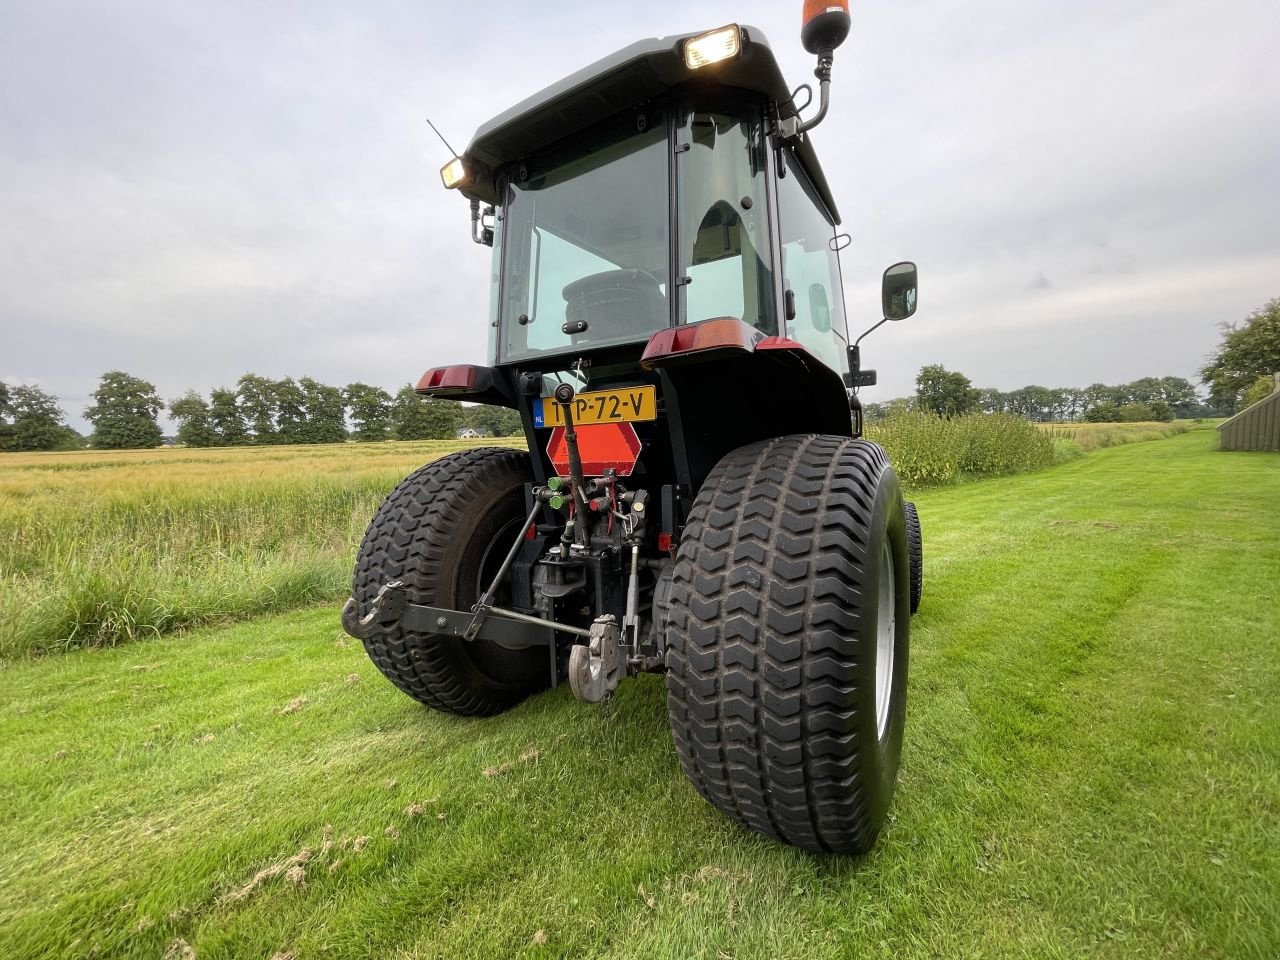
<point>870,331</point>
<point>823,73</point>
<point>479,232</point>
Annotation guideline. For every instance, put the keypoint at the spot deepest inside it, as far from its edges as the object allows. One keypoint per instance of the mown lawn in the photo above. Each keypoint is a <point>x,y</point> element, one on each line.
<point>1092,769</point>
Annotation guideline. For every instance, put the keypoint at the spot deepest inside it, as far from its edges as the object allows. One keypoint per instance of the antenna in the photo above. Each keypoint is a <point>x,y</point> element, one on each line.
<point>452,152</point>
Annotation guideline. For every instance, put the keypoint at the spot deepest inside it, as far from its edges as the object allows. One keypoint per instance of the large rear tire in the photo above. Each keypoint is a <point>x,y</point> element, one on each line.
<point>915,546</point>
<point>444,531</point>
<point>788,639</point>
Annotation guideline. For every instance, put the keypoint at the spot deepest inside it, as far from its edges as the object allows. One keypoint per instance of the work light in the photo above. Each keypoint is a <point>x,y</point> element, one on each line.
<point>713,47</point>
<point>454,173</point>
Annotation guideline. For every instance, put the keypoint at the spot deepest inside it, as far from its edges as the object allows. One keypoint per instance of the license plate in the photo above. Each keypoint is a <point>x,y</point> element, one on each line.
<point>601,406</point>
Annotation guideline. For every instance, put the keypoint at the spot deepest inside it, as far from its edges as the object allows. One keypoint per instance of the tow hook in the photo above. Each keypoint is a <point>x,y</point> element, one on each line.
<point>596,667</point>
<point>386,608</point>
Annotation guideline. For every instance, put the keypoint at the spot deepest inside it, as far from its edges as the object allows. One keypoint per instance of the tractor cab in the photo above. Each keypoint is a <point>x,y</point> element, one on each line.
<point>667,316</point>
<point>663,203</point>
<point>674,212</point>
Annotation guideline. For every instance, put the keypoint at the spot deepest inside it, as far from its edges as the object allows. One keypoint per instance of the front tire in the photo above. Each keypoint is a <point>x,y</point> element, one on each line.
<point>788,639</point>
<point>444,531</point>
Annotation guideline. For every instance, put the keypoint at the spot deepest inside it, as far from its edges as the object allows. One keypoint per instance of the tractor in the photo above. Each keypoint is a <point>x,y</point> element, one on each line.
<point>667,318</point>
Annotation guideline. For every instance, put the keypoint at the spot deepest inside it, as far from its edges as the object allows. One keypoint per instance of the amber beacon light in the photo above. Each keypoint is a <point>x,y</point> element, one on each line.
<point>826,25</point>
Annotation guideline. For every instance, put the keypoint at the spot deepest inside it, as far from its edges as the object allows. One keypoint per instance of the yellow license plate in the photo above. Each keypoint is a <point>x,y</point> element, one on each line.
<point>602,406</point>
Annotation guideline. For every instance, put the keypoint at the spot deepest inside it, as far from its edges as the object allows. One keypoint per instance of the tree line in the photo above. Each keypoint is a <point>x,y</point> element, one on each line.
<point>1238,374</point>
<point>256,410</point>
<point>950,393</point>
<point>259,410</point>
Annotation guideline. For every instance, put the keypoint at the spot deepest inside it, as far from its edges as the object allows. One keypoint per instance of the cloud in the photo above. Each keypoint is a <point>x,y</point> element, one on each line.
<point>188,192</point>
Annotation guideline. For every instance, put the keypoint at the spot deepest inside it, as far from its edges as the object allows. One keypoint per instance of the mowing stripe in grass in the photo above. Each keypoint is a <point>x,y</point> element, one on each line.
<point>1090,771</point>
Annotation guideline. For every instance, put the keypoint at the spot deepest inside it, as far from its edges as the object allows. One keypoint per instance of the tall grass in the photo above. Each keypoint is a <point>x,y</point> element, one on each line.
<point>98,549</point>
<point>102,548</point>
<point>927,450</point>
<point>1098,436</point>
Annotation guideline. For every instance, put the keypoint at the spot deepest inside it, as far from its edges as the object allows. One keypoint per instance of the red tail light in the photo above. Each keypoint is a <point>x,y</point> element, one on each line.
<point>722,333</point>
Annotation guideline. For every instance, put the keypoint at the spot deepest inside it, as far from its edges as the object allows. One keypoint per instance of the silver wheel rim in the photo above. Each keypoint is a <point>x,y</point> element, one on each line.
<point>886,624</point>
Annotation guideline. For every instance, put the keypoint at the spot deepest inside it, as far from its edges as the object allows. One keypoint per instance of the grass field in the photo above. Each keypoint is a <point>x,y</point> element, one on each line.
<point>1091,770</point>
<point>104,548</point>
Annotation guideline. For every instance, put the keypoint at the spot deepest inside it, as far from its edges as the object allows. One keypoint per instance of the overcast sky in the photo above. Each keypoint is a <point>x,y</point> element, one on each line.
<point>190,191</point>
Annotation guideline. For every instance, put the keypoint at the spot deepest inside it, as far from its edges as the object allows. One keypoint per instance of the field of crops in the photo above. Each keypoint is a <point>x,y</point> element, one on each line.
<point>927,450</point>
<point>1090,767</point>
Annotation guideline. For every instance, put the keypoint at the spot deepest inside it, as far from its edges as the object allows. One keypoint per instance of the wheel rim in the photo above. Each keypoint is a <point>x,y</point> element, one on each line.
<point>886,628</point>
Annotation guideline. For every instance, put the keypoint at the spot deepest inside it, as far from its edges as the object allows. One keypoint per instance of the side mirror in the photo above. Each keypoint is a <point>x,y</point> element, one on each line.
<point>898,291</point>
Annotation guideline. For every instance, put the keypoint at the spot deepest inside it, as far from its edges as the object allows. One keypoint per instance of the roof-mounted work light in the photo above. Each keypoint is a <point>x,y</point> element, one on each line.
<point>715,46</point>
<point>454,173</point>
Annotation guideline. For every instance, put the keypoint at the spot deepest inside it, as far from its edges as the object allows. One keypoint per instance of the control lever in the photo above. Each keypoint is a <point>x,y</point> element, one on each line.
<point>564,396</point>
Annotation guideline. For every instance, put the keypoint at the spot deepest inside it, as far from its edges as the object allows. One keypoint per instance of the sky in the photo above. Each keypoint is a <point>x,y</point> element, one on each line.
<point>193,190</point>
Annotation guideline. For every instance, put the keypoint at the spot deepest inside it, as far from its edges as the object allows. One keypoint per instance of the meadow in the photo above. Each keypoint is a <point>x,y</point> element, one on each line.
<point>1099,436</point>
<point>103,548</point>
<point>1090,767</point>
<point>100,548</point>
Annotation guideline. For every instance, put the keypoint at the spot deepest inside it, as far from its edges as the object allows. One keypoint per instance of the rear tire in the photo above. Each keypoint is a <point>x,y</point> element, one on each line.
<point>444,531</point>
<point>788,638</point>
<point>916,547</point>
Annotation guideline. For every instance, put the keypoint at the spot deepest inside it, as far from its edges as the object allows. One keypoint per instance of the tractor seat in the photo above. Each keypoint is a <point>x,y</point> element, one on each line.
<point>613,304</point>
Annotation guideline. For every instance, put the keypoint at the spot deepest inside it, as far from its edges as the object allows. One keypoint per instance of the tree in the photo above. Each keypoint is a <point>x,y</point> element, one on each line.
<point>944,392</point>
<point>38,421</point>
<point>1105,412</point>
<point>258,406</point>
<point>289,403</point>
<point>1035,403</point>
<point>370,411</point>
<point>124,413</point>
<point>495,421</point>
<point>1072,403</point>
<point>6,428</point>
<point>1100,393</point>
<point>192,415</point>
<point>415,417</point>
<point>1248,351</point>
<point>225,418</point>
<point>325,412</point>
<point>1262,388</point>
<point>993,401</point>
<point>1136,413</point>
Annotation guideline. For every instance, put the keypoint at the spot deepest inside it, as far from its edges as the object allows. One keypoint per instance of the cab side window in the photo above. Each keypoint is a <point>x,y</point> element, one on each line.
<point>811,270</point>
<point>723,221</point>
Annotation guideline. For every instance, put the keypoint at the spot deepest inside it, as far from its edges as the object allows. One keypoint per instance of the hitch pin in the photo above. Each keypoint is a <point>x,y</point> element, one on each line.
<point>485,603</point>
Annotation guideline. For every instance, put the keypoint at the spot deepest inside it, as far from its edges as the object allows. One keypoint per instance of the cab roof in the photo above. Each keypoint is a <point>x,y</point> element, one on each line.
<point>645,70</point>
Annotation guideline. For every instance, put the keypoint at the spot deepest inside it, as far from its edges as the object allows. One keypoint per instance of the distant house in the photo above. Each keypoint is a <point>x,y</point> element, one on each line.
<point>472,433</point>
<point>1256,427</point>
